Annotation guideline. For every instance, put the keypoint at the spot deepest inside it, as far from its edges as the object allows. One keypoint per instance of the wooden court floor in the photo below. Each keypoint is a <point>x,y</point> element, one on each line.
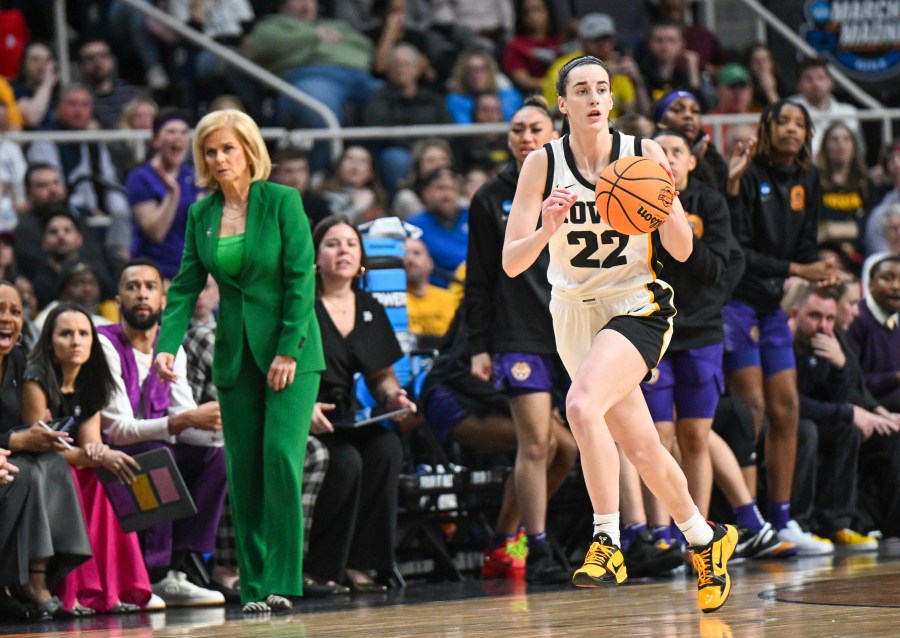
<point>840,596</point>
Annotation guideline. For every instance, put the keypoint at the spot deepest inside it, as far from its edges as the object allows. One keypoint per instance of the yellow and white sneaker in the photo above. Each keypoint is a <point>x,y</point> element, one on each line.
<point>853,541</point>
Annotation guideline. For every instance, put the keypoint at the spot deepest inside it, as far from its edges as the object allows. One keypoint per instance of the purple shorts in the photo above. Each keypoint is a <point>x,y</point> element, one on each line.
<point>691,381</point>
<point>517,373</point>
<point>757,340</point>
<point>443,412</point>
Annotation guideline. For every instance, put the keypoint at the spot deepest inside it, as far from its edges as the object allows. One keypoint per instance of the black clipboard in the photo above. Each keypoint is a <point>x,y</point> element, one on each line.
<point>158,494</point>
<point>375,417</point>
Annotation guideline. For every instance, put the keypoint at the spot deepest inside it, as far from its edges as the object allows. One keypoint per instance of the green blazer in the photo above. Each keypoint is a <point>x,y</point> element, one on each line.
<point>273,298</point>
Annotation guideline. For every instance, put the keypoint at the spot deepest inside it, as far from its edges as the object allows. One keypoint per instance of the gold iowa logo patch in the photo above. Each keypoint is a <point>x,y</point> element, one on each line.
<point>521,371</point>
<point>696,225</point>
<point>798,198</point>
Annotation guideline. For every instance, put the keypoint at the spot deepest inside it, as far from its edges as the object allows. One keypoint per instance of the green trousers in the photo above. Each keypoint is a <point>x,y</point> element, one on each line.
<point>265,446</point>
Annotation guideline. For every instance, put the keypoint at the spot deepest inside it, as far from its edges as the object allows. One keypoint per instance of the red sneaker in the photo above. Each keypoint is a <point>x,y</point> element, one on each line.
<point>508,560</point>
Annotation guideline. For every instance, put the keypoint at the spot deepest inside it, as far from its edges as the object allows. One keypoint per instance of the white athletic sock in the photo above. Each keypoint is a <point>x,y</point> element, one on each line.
<point>696,530</point>
<point>609,525</point>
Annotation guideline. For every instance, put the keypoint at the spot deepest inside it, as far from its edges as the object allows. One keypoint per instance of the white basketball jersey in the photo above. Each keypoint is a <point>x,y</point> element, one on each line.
<point>586,255</point>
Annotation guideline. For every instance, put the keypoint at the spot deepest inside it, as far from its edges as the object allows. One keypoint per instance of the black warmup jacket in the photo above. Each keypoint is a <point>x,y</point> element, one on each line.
<point>503,314</point>
<point>775,219</point>
<point>703,283</point>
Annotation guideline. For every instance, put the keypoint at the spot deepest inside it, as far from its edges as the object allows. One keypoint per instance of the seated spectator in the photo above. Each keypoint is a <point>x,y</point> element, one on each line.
<point>146,413</point>
<point>597,37</point>
<point>78,284</point>
<point>46,193</point>
<point>228,22</point>
<point>88,169</point>
<point>35,85</point>
<point>768,87</point>
<point>890,163</point>
<point>475,73</point>
<point>51,535</point>
<point>160,193</point>
<point>291,168</point>
<point>536,45</point>
<point>668,65</point>
<point>62,242</point>
<point>488,151</point>
<point>402,102</point>
<point>889,218</point>
<point>491,22</point>
<point>814,91</point>
<point>874,336</point>
<point>846,191</point>
<point>353,188</point>
<point>137,115</point>
<point>140,36</point>
<point>697,38</point>
<point>12,175</point>
<point>98,72</point>
<point>823,381</point>
<point>68,376</point>
<point>734,93</point>
<point>326,59</point>
<point>879,492</point>
<point>444,224</point>
<point>427,155</point>
<point>354,525</point>
<point>430,308</point>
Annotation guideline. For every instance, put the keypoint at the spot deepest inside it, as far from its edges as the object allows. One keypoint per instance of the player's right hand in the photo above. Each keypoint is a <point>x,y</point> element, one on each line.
<point>555,208</point>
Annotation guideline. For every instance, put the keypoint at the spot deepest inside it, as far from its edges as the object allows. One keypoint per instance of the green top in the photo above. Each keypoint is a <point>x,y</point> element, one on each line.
<point>283,44</point>
<point>230,254</point>
<point>273,304</point>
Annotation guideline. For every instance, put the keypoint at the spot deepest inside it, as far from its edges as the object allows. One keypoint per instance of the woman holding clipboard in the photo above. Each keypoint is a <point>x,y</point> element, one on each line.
<point>353,528</point>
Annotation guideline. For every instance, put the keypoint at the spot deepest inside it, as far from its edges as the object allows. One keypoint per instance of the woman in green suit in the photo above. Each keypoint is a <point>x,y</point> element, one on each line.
<point>254,238</point>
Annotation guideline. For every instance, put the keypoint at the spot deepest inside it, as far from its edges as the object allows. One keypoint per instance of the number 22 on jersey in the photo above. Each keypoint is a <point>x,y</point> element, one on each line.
<point>585,258</point>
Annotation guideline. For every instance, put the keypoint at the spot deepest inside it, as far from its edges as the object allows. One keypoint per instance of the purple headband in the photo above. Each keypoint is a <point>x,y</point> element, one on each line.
<point>666,102</point>
<point>166,118</point>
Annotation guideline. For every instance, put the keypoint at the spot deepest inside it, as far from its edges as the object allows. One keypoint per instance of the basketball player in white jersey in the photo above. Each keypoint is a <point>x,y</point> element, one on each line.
<point>612,319</point>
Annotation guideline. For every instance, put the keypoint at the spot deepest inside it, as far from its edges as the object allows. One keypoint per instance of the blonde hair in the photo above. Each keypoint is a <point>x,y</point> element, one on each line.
<point>247,132</point>
<point>458,83</point>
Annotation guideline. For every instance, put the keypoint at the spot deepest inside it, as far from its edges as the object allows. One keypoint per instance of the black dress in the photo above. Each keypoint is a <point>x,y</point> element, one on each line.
<point>355,516</point>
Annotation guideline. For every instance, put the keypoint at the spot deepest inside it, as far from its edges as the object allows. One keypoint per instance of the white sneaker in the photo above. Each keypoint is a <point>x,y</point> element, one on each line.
<point>807,544</point>
<point>154,604</point>
<point>177,591</point>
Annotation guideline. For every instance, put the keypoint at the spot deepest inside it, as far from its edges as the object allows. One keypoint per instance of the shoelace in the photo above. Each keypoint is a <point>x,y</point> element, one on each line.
<point>703,565</point>
<point>599,554</point>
